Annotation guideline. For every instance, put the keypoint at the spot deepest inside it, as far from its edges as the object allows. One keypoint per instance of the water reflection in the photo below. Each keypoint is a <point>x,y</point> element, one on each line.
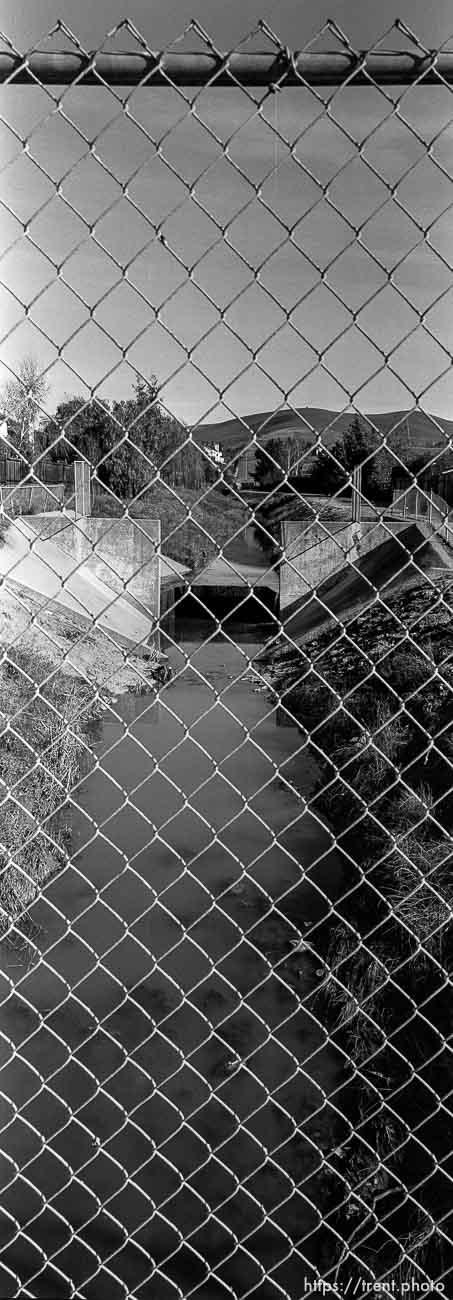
<point>194,630</point>
<point>172,1034</point>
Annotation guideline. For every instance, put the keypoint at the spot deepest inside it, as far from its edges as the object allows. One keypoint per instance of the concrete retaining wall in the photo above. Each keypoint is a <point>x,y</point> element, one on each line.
<point>123,553</point>
<point>40,566</point>
<point>312,552</point>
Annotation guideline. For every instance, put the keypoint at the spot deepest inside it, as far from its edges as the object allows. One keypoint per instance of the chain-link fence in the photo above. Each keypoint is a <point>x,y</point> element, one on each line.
<point>226,287</point>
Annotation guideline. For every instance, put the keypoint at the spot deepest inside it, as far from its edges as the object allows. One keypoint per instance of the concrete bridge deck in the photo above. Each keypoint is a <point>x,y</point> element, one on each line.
<point>223,574</point>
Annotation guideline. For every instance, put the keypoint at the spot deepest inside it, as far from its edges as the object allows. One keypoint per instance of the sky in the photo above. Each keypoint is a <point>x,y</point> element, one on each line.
<point>243,247</point>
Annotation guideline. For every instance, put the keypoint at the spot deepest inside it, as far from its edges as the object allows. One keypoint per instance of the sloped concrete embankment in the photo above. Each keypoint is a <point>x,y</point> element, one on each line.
<point>42,567</point>
<point>122,553</point>
<point>396,561</point>
<point>314,551</point>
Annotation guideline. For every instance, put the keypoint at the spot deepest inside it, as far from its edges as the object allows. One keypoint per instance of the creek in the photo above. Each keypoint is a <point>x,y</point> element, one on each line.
<point>165,1082</point>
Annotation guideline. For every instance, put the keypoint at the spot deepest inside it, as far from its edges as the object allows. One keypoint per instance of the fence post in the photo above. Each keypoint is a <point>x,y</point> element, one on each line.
<point>82,488</point>
<point>357,494</point>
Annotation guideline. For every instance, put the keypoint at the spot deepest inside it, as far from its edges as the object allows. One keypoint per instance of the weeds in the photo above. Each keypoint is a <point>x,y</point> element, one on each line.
<point>42,722</point>
<point>194,524</point>
<point>377,714</point>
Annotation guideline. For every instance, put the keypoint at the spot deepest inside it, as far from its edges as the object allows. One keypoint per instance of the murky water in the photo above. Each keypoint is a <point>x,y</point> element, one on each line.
<point>170,1084</point>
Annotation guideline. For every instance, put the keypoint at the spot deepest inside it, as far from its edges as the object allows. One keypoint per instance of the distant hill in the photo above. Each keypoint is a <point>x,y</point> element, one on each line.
<point>417,430</point>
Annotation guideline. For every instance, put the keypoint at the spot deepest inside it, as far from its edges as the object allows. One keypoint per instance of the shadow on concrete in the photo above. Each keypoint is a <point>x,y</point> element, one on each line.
<point>389,566</point>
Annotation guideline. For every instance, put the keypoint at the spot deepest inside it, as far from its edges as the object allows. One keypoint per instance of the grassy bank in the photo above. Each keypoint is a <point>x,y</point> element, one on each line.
<point>43,720</point>
<point>193,526</point>
<point>375,706</point>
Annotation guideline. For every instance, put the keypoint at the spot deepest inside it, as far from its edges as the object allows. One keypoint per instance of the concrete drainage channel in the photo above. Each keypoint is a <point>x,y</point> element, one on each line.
<point>191,842</point>
<point>225,895</point>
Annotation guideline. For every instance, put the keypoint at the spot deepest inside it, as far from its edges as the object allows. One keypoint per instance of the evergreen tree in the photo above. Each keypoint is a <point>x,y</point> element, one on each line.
<point>354,449</point>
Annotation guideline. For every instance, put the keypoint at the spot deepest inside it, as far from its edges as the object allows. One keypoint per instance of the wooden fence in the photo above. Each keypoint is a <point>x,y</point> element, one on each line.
<point>14,470</point>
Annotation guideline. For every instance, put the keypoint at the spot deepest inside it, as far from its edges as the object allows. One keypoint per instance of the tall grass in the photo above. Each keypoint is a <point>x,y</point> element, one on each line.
<point>376,711</point>
<point>194,524</point>
<point>42,722</point>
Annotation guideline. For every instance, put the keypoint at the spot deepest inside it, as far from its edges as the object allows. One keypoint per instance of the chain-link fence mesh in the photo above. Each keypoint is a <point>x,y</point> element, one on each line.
<point>226,288</point>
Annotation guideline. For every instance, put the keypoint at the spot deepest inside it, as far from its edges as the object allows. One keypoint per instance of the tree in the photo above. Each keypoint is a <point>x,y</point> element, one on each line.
<point>157,446</point>
<point>129,442</point>
<point>287,453</point>
<point>358,445</point>
<point>138,440</point>
<point>354,446</point>
<point>380,475</point>
<point>328,475</point>
<point>189,467</point>
<point>77,429</point>
<point>23,399</point>
<point>350,451</point>
<point>265,472</point>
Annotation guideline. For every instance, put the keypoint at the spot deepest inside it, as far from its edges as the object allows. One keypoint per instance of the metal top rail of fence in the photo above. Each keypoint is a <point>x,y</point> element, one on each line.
<point>297,68</point>
<point>226,752</point>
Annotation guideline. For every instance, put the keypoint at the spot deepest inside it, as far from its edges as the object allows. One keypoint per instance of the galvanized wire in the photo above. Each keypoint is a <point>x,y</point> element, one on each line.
<point>262,1187</point>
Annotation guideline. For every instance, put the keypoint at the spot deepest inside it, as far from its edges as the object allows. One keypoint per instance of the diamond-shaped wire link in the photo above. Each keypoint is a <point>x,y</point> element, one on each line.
<point>225,845</point>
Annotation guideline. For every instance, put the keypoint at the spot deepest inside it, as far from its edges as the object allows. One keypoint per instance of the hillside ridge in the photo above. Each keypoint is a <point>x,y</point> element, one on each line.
<point>418,429</point>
